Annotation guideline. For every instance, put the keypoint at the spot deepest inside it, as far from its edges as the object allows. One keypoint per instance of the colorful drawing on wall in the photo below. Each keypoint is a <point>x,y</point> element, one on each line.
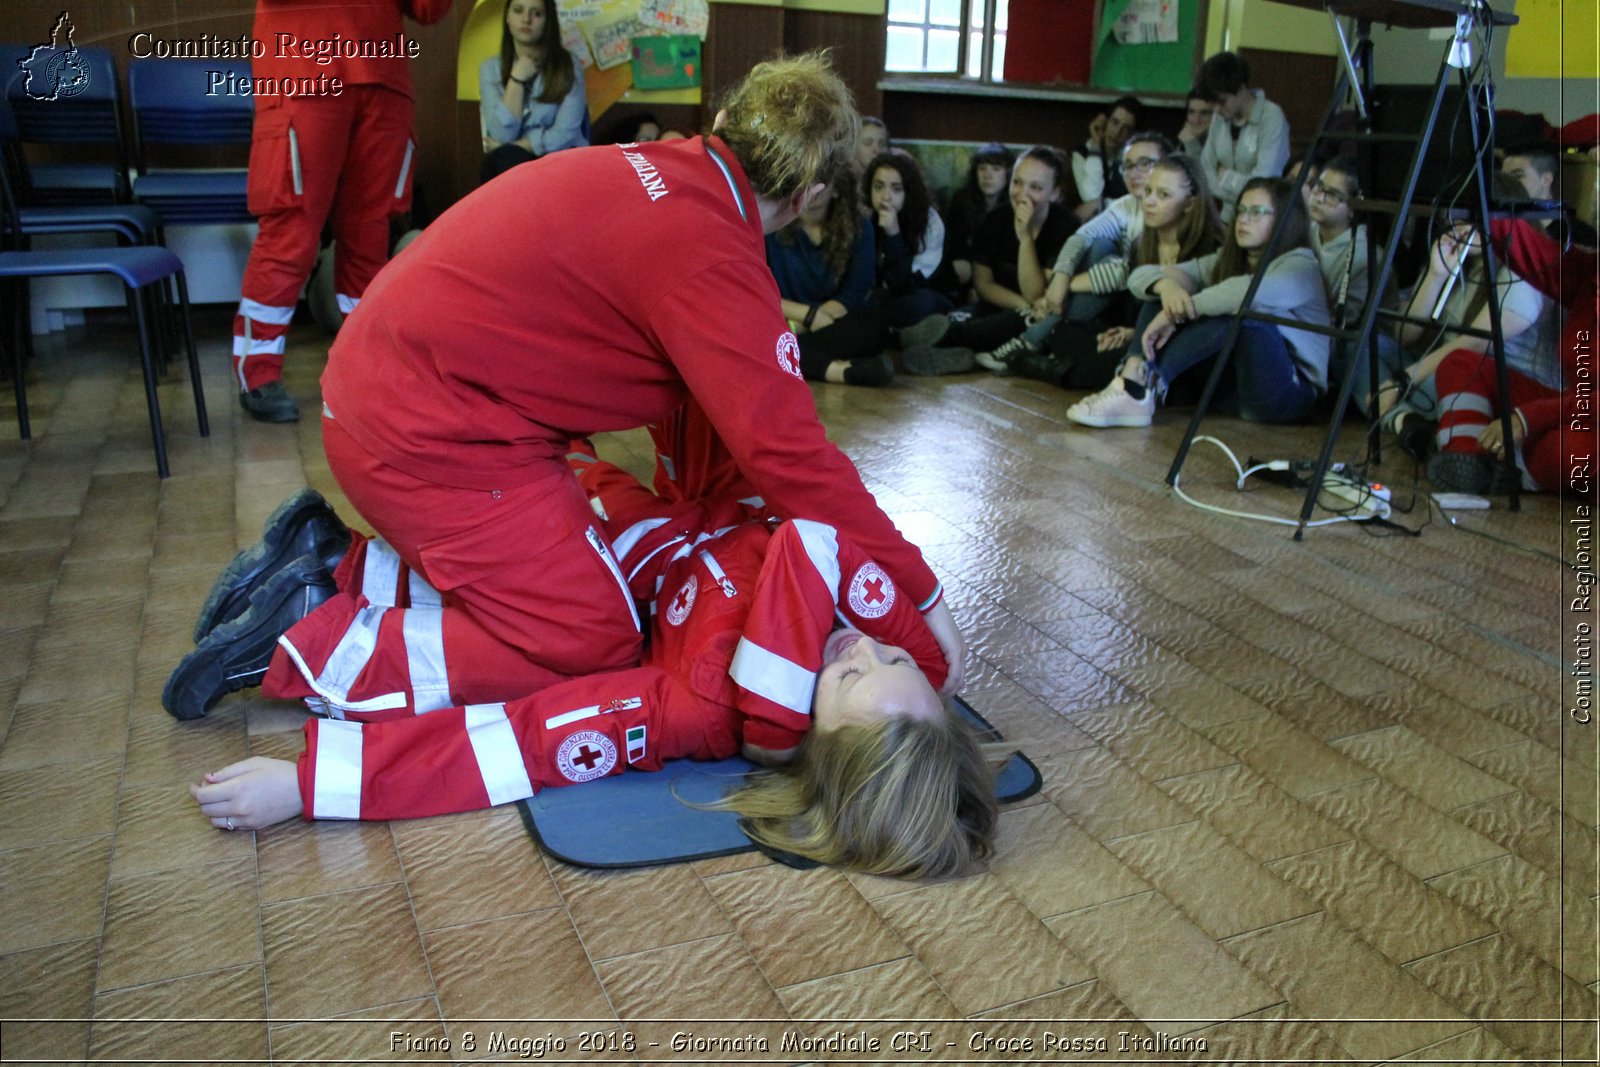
<point>1147,22</point>
<point>676,16</point>
<point>667,62</point>
<point>1553,39</point>
<point>610,32</point>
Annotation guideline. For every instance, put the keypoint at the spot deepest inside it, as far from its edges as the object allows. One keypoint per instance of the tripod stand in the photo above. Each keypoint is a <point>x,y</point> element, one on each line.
<point>1356,76</point>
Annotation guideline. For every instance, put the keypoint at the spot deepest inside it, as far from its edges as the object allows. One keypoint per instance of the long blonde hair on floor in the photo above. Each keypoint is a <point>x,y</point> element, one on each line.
<point>792,123</point>
<point>902,798</point>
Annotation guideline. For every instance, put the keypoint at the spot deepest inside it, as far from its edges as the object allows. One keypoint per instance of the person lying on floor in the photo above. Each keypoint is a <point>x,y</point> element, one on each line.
<point>870,769</point>
<point>1276,372</point>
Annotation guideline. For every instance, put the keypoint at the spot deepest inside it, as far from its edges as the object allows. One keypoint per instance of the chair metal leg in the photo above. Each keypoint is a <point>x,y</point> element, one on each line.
<point>194,357</point>
<point>18,365</point>
<point>147,362</point>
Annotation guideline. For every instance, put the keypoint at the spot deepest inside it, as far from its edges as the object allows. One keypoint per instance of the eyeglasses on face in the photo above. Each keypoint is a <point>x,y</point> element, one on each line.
<point>1328,192</point>
<point>1256,211</point>
<point>1142,163</point>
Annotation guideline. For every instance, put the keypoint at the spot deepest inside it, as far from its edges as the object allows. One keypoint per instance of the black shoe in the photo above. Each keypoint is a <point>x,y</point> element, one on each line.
<point>270,403</point>
<point>302,524</point>
<point>1416,436</point>
<point>875,371</point>
<point>235,656</point>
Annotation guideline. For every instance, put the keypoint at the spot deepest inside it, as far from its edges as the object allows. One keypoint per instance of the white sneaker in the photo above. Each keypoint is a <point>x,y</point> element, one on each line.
<point>1112,406</point>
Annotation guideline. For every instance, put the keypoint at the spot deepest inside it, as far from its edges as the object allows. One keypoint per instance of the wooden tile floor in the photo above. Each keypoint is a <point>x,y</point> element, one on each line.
<point>1303,801</point>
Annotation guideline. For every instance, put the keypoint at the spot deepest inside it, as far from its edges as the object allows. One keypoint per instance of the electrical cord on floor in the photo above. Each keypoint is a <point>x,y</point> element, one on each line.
<point>1275,465</point>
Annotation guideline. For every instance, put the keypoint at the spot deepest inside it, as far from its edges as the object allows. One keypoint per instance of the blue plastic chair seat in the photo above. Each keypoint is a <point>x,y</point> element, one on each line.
<point>140,266</point>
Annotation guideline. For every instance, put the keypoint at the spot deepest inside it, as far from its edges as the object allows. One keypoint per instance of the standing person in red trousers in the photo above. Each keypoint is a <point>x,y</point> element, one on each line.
<point>345,156</point>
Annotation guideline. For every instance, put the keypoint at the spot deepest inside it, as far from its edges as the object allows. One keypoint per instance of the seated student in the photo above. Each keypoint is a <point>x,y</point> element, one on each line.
<point>1196,123</point>
<point>1530,323</point>
<point>1536,167</point>
<point>1174,221</point>
<point>1340,244</point>
<point>1249,136</point>
<point>1095,170</point>
<point>1276,373</point>
<point>873,142</point>
<point>1101,247</point>
<point>983,192</point>
<point>1009,272</point>
<point>641,128</point>
<point>532,93</point>
<point>872,771</point>
<point>1472,446</point>
<point>909,239</point>
<point>824,264</point>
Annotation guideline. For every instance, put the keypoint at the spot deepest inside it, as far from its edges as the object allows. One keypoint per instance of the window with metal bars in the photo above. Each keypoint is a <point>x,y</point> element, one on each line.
<point>963,38</point>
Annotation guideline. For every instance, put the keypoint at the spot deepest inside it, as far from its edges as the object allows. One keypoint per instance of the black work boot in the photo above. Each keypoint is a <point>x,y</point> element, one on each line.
<point>270,403</point>
<point>303,524</point>
<point>236,654</point>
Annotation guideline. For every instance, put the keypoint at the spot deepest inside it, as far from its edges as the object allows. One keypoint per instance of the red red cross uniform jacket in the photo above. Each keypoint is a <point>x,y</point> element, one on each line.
<point>738,629</point>
<point>596,290</point>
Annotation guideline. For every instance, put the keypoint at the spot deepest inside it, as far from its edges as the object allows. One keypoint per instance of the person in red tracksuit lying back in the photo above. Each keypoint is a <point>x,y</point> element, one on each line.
<point>869,768</point>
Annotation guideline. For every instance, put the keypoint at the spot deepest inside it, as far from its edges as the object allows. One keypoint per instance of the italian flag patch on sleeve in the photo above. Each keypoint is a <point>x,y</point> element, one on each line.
<point>635,744</point>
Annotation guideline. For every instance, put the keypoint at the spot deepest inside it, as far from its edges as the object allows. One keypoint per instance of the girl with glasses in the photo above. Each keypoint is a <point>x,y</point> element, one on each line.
<point>1276,373</point>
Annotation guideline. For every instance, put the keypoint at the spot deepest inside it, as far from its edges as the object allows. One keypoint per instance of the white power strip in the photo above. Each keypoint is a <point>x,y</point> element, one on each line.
<point>1369,497</point>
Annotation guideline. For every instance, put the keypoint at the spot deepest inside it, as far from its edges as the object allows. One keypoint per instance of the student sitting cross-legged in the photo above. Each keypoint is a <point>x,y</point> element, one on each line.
<point>1276,373</point>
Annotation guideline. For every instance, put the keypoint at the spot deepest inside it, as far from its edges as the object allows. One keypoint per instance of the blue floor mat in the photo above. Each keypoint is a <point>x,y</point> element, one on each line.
<point>636,820</point>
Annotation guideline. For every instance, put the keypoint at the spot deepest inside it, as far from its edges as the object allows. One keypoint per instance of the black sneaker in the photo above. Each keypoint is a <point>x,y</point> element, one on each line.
<point>270,403</point>
<point>235,655</point>
<point>303,524</point>
<point>925,334</point>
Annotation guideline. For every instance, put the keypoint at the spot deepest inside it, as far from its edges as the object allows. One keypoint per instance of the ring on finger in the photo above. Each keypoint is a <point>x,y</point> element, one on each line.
<point>228,823</point>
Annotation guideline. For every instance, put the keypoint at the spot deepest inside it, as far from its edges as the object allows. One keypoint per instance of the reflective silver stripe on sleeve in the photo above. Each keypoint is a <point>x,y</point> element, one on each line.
<point>494,744</point>
<point>769,675</point>
<point>821,543</point>
<point>336,778</point>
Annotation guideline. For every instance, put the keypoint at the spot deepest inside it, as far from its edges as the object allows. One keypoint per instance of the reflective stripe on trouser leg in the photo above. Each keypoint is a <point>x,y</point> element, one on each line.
<point>259,335</point>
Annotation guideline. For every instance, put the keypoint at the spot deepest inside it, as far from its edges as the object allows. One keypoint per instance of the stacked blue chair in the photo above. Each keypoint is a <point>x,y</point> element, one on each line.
<point>131,224</point>
<point>85,110</point>
<point>145,270</point>
<point>174,103</point>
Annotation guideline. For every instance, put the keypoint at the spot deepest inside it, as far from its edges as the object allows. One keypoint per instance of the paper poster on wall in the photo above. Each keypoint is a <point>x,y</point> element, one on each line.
<point>1150,62</point>
<point>1553,39</point>
<point>1147,22</point>
<point>610,33</point>
<point>676,17</point>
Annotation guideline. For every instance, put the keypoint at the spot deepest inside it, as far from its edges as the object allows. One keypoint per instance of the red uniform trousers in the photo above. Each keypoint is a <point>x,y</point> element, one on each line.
<point>440,612</point>
<point>347,157</point>
<point>1468,402</point>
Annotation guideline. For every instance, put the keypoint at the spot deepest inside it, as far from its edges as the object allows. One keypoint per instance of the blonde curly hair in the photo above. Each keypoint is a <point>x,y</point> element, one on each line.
<point>792,122</point>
